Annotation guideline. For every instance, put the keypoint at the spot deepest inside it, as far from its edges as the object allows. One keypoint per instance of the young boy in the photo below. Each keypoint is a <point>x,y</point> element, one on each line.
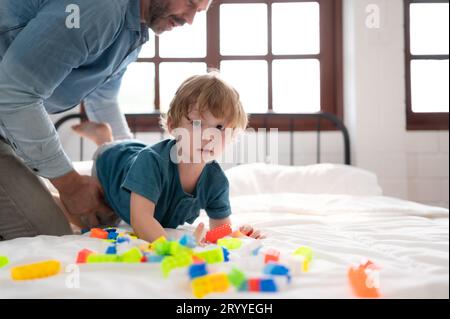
<point>166,184</point>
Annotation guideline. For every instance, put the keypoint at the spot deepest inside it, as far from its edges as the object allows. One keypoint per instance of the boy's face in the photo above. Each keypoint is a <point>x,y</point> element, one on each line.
<point>164,15</point>
<point>208,136</point>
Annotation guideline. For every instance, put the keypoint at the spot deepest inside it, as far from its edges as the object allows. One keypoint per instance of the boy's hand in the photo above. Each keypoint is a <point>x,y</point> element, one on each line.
<point>199,234</point>
<point>249,231</point>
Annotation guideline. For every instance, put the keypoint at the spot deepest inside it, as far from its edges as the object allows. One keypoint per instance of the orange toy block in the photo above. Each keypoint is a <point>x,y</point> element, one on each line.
<point>99,233</point>
<point>364,279</point>
<point>215,234</point>
<point>83,255</point>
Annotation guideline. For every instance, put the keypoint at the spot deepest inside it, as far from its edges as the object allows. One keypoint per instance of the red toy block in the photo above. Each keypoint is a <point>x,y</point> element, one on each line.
<point>83,255</point>
<point>272,255</point>
<point>254,285</point>
<point>215,234</point>
<point>363,279</point>
<point>99,233</point>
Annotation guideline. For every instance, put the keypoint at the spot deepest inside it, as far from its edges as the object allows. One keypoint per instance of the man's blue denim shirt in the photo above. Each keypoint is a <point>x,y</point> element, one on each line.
<point>47,67</point>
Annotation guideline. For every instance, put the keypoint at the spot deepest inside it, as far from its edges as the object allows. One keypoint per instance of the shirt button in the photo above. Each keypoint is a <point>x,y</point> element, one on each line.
<point>35,169</point>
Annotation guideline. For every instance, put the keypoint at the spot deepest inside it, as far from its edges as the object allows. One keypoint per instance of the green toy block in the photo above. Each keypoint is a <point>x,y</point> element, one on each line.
<point>169,263</point>
<point>305,252</point>
<point>236,277</point>
<point>3,261</point>
<point>230,243</point>
<point>101,258</point>
<point>133,255</point>
<point>211,256</point>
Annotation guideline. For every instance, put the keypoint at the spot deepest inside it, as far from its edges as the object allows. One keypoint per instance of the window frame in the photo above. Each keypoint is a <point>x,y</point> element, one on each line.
<point>420,121</point>
<point>330,57</point>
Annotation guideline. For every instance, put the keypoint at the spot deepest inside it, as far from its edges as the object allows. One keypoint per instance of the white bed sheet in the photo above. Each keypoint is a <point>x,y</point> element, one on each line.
<point>409,241</point>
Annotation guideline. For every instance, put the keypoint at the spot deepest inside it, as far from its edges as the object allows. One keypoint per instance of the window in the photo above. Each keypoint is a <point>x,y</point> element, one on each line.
<point>427,67</point>
<point>283,56</point>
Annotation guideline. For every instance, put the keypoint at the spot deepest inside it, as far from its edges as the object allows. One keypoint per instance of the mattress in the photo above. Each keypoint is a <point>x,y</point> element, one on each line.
<point>408,241</point>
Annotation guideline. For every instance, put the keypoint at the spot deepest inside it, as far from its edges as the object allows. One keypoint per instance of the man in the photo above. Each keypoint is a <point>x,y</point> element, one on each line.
<point>53,55</point>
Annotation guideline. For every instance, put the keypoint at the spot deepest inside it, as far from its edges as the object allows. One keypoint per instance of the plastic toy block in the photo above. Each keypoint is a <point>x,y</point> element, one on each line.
<point>111,250</point>
<point>236,234</point>
<point>133,255</point>
<point>146,248</point>
<point>113,235</point>
<point>272,255</point>
<point>226,254</point>
<point>236,277</point>
<point>217,233</point>
<point>159,240</point>
<point>153,258</point>
<point>83,255</point>
<point>267,285</point>
<point>305,252</point>
<point>230,243</point>
<point>363,279</point>
<point>188,241</point>
<point>276,269</point>
<point>197,260</point>
<point>111,230</point>
<point>202,286</point>
<point>121,240</point>
<point>85,230</point>
<point>99,233</point>
<point>101,258</point>
<point>3,261</point>
<point>197,270</point>
<point>211,256</point>
<point>171,262</point>
<point>254,284</point>
<point>36,271</point>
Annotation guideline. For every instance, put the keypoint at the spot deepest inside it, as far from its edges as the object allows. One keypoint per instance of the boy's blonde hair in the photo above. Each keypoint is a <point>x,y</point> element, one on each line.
<point>210,93</point>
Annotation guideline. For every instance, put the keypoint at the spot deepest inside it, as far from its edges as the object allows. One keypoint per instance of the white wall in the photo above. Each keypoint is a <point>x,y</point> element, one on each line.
<point>410,165</point>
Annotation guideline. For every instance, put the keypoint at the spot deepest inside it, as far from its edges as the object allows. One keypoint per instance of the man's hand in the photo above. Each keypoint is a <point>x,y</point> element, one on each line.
<point>81,195</point>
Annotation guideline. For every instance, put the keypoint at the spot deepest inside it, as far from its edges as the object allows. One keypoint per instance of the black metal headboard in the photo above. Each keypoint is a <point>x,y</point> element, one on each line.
<point>320,119</point>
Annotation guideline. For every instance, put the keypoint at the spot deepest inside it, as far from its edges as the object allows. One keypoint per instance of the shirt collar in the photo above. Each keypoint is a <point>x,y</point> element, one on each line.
<point>133,20</point>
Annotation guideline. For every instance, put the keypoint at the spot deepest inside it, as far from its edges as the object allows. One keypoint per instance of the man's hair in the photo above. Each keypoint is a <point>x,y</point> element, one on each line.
<point>209,93</point>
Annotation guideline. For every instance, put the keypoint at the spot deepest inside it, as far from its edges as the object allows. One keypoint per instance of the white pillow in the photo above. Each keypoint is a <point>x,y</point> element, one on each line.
<point>262,178</point>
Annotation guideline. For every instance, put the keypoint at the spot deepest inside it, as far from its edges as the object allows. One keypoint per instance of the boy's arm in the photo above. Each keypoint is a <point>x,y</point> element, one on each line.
<point>142,219</point>
<point>214,223</point>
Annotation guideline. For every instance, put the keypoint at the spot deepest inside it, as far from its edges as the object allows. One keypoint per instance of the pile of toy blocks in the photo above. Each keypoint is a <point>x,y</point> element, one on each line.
<point>200,263</point>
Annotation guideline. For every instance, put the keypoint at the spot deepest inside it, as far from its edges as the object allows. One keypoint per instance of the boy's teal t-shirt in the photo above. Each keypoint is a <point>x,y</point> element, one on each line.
<point>132,166</point>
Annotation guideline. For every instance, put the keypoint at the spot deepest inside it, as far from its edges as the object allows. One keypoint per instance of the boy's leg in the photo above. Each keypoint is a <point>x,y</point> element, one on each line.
<point>27,208</point>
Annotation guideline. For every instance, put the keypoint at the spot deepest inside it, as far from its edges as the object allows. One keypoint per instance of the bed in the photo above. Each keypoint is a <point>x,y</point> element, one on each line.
<point>337,210</point>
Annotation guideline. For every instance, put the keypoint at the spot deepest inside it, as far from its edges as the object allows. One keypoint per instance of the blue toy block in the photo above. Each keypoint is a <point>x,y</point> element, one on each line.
<point>85,230</point>
<point>256,251</point>
<point>111,250</point>
<point>121,240</point>
<point>268,285</point>
<point>197,270</point>
<point>226,254</point>
<point>111,230</point>
<point>151,258</point>
<point>113,235</point>
<point>188,241</point>
<point>276,269</point>
<point>244,286</point>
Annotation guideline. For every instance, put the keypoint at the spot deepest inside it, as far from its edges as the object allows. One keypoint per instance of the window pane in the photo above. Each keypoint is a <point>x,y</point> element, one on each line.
<point>296,28</point>
<point>188,41</point>
<point>243,29</point>
<point>429,28</point>
<point>296,86</point>
<point>172,75</point>
<point>148,49</point>
<point>250,79</point>
<point>137,92</point>
<point>429,86</point>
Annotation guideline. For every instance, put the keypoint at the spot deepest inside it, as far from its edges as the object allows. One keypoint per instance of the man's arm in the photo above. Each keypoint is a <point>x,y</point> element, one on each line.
<point>38,60</point>
<point>102,106</point>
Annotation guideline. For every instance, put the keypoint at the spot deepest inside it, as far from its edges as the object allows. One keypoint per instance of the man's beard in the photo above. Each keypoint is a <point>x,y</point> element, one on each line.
<point>158,9</point>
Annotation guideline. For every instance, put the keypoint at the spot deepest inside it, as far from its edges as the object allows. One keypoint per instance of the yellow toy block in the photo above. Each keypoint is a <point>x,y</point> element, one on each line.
<point>36,271</point>
<point>202,286</point>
